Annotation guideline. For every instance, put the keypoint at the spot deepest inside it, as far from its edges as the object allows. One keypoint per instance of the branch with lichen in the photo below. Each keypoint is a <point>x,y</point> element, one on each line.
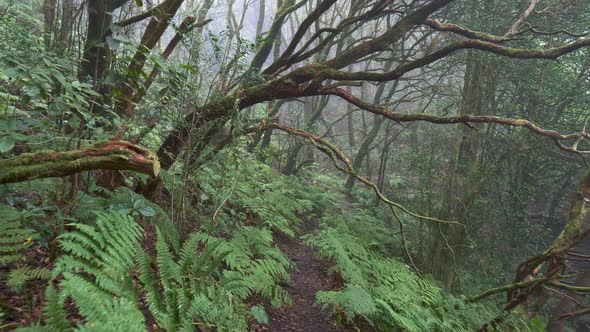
<point>343,164</point>
<point>505,288</point>
<point>575,231</point>
<point>454,28</point>
<point>467,120</point>
<point>112,155</point>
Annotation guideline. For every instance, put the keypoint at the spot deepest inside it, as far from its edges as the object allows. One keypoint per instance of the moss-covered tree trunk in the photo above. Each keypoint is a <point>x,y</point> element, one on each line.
<point>111,155</point>
<point>156,27</point>
<point>463,179</point>
<point>313,112</point>
<point>49,11</point>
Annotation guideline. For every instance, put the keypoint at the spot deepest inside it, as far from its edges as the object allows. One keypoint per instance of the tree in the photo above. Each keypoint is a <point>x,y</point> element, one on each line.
<point>319,58</point>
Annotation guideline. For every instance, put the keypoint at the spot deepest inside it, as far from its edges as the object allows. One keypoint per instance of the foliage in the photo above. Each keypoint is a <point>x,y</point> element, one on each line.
<point>108,276</point>
<point>203,252</point>
<point>14,239</point>
<point>254,192</point>
<point>212,287</point>
<point>386,293</point>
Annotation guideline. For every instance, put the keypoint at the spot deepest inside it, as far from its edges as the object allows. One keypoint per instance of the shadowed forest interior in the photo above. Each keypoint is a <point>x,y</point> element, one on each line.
<point>294,165</point>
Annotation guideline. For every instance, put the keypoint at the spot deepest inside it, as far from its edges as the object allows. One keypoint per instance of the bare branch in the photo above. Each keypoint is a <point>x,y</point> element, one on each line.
<point>439,26</point>
<point>514,28</point>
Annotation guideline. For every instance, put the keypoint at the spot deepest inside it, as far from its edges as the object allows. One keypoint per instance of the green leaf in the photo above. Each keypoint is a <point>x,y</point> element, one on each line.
<point>6,144</point>
<point>13,72</point>
<point>138,204</point>
<point>139,3</point>
<point>113,43</point>
<point>259,314</point>
<point>61,79</point>
<point>147,211</point>
<point>163,92</point>
<point>8,125</point>
<point>113,78</point>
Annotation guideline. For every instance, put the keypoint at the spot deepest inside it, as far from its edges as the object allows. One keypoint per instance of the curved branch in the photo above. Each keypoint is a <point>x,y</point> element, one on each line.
<point>324,73</point>
<point>337,158</point>
<point>514,28</point>
<point>113,155</point>
<point>448,27</point>
<point>264,49</point>
<point>505,288</point>
<point>465,119</point>
<point>142,16</point>
<point>319,10</point>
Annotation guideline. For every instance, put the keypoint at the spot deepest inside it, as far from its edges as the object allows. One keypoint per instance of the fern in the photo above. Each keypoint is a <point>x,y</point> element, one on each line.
<point>53,311</point>
<point>261,196</point>
<point>385,293</point>
<point>20,276</point>
<point>14,238</point>
<point>178,289</point>
<point>96,273</point>
<point>353,300</point>
<point>125,201</point>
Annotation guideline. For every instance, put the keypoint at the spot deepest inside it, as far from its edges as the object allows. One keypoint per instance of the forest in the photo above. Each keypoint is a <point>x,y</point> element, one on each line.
<point>294,165</point>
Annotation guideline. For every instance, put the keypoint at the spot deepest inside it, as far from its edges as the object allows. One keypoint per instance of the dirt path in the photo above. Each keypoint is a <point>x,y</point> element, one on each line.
<point>309,277</point>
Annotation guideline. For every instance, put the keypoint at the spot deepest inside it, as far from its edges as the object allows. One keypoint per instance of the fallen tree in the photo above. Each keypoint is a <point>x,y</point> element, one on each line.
<point>110,155</point>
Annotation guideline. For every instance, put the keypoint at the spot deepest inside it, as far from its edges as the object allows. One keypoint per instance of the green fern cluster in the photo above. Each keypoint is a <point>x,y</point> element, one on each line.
<point>126,201</point>
<point>14,238</point>
<point>258,195</point>
<point>386,293</point>
<point>212,278</point>
<point>109,278</point>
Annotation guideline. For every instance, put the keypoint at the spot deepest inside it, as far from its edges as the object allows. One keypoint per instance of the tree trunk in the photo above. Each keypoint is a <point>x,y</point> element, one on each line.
<point>463,181</point>
<point>152,34</point>
<point>261,15</point>
<point>67,21</point>
<point>363,151</point>
<point>112,155</point>
<point>49,10</point>
<point>313,113</point>
<point>96,57</point>
<point>565,306</point>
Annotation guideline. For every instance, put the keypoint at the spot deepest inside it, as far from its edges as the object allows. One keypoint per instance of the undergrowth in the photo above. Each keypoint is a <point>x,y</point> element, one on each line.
<point>133,266</point>
<point>384,293</point>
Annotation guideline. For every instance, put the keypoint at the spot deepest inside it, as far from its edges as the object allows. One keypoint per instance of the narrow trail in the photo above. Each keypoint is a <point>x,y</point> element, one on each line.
<point>309,276</point>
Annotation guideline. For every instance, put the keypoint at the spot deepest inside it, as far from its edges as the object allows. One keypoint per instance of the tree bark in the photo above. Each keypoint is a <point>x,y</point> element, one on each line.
<point>463,178</point>
<point>152,34</point>
<point>49,10</point>
<point>111,155</point>
<point>95,59</point>
<point>313,112</point>
<point>67,20</point>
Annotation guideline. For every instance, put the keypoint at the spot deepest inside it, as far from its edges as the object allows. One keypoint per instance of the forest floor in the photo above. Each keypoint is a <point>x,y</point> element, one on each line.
<point>309,276</point>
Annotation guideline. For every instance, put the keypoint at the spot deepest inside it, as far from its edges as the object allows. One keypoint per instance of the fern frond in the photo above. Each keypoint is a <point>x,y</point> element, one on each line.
<point>18,277</point>
<point>14,237</point>
<point>53,311</point>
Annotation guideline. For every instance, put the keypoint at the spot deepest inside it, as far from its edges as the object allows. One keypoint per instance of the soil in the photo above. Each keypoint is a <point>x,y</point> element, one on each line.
<point>309,277</point>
